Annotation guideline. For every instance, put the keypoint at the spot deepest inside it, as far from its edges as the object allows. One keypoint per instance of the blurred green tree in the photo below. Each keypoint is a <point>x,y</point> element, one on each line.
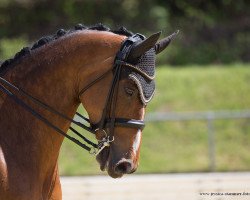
<point>215,31</point>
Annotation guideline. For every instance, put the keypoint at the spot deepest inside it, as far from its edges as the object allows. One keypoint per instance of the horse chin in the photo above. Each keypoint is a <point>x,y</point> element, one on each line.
<point>112,174</point>
<point>102,158</point>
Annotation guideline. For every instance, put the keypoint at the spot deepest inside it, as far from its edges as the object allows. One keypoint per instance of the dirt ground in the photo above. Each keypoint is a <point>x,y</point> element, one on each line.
<point>193,186</point>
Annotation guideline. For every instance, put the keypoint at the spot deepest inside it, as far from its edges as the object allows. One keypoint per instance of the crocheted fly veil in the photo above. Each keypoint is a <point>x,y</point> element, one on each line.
<point>143,74</point>
<point>141,66</point>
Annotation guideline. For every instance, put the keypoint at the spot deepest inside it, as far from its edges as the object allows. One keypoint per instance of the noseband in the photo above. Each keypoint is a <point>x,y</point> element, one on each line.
<point>108,120</point>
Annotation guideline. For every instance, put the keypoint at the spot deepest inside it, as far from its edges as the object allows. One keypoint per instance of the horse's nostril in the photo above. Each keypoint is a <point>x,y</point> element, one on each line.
<point>123,167</point>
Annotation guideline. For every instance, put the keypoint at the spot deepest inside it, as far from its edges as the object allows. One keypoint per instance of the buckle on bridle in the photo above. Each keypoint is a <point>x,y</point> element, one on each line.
<point>104,142</point>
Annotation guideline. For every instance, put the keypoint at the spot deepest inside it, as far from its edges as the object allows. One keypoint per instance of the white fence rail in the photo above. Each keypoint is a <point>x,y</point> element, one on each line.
<point>209,116</point>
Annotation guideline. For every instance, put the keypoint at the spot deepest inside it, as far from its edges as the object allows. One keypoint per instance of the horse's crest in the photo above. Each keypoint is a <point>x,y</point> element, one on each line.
<point>60,33</point>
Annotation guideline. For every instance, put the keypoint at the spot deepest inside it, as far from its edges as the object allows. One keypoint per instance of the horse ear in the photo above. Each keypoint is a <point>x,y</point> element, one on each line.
<point>162,44</point>
<point>141,47</point>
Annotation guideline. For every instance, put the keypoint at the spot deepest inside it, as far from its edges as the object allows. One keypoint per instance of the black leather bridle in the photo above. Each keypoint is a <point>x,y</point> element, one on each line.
<point>108,120</point>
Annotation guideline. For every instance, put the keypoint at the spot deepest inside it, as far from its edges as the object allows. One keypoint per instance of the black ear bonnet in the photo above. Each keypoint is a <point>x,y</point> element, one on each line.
<point>144,80</point>
<point>142,71</point>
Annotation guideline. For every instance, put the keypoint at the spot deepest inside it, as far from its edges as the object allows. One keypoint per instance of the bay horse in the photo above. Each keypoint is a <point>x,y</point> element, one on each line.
<point>86,65</point>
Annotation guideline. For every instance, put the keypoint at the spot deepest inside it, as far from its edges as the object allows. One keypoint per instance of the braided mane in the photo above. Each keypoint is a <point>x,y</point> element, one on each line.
<point>60,33</point>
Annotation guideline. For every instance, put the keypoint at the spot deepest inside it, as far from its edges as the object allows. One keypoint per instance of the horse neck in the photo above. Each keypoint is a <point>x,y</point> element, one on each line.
<point>55,76</point>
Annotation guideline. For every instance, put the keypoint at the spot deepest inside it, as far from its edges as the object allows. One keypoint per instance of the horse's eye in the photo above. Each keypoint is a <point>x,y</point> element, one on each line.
<point>129,91</point>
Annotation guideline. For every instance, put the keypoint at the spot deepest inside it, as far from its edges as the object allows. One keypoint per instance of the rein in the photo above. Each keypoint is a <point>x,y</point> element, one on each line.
<point>108,119</point>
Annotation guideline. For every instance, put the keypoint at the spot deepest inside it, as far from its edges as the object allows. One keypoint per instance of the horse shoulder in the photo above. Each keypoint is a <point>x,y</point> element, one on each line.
<point>3,175</point>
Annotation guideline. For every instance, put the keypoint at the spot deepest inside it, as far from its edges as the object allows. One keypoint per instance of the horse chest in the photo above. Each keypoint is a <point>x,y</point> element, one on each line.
<point>19,182</point>
<point>13,185</point>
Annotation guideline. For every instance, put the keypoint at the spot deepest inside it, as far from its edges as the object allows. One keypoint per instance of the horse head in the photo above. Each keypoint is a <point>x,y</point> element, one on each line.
<point>116,103</point>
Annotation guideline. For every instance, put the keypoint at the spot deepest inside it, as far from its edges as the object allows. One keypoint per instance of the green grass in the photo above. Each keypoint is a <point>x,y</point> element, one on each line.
<point>183,146</point>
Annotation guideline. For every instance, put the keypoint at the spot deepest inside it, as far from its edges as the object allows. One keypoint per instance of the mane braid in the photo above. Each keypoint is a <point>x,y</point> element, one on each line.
<point>60,33</point>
